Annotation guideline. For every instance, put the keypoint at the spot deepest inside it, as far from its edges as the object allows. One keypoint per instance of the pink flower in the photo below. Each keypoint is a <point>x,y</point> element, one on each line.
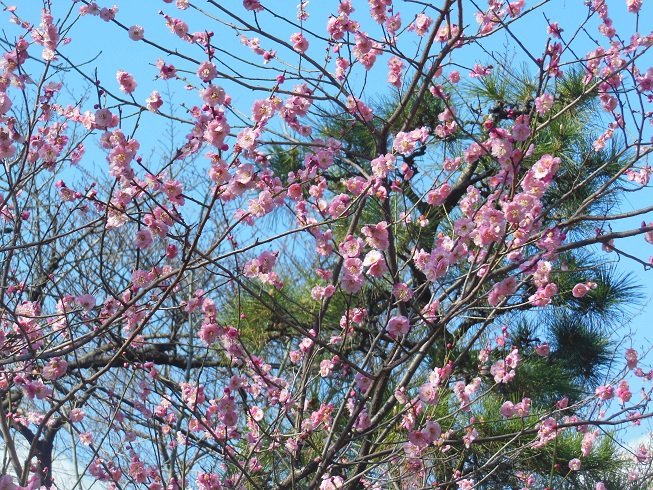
<point>574,464</point>
<point>454,76</point>
<point>588,442</point>
<point>296,356</point>
<point>256,413</point>
<point>421,25</point>
<point>353,267</point>
<point>523,408</point>
<point>376,263</point>
<point>86,301</point>
<point>501,373</point>
<point>5,103</point>
<point>362,382</point>
<point>55,369</point>
<point>542,349</point>
<point>466,484</point>
<point>382,165</point>
<point>165,71</point>
<point>580,290</point>
<point>418,438</point>
<point>207,71</point>
<point>253,5</point>
<point>326,366</point>
<point>623,391</point>
<point>154,102</point>
<point>213,95</point>
<point>178,27</point>
<point>480,71</point>
<point>192,395</point>
<point>320,292</point>
<point>544,103</point>
<point>377,236</point>
<point>402,292</point>
<point>140,279</point>
<point>631,358</point>
<point>463,227</point>
<point>103,119</point>
<point>209,333</point>
<point>216,132</point>
<point>468,439</point>
<point>437,197</point>
<point>634,6</point>
<point>86,438</point>
<point>136,33</point>
<point>174,192</point>
<point>513,360</point>
<point>341,67</point>
<point>428,393</point>
<point>246,139</point>
<point>358,108</point>
<point>331,483</point>
<point>432,431</point>
<point>605,392</point>
<point>351,247</point>
<point>395,66</point>
<point>7,483</point>
<point>546,166</point>
<point>126,81</point>
<point>299,42</point>
<point>404,144</point>
<point>398,325</point>
<point>554,30</point>
<point>521,132</point>
<point>502,290</point>
<point>143,238</point>
<point>230,419</point>
<point>508,409</point>
<point>76,415</point>
<point>393,23</point>
<point>108,14</point>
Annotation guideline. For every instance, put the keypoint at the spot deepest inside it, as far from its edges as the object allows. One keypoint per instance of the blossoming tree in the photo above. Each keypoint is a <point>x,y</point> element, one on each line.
<point>381,256</point>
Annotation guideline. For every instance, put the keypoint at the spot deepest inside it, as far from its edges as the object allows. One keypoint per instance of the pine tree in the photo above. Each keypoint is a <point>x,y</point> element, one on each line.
<point>577,330</point>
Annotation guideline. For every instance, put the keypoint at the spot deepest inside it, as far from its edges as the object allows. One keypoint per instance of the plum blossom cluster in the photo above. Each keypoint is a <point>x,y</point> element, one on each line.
<point>107,14</point>
<point>496,13</point>
<point>261,269</point>
<point>47,35</point>
<point>314,290</point>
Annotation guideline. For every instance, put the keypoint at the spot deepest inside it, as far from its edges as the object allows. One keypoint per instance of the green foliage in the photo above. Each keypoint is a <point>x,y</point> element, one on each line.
<point>545,381</point>
<point>583,350</point>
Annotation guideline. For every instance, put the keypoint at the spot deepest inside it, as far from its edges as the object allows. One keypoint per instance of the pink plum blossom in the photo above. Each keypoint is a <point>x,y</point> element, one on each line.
<point>299,42</point>
<point>154,101</point>
<point>398,326</point>
<point>421,24</point>
<point>143,238</point>
<point>207,71</point>
<point>376,264</point>
<point>126,81</point>
<point>55,369</point>
<point>136,33</point>
<point>580,290</point>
